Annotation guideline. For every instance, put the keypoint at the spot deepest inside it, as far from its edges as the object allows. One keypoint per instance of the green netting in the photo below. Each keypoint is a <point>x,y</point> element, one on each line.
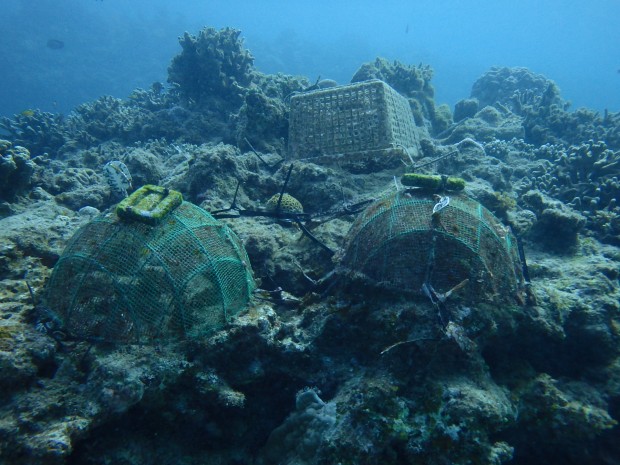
<point>130,281</point>
<point>399,243</point>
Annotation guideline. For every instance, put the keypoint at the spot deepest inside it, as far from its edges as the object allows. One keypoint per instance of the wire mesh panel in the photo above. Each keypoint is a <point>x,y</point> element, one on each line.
<point>359,117</point>
<point>398,242</point>
<point>131,281</point>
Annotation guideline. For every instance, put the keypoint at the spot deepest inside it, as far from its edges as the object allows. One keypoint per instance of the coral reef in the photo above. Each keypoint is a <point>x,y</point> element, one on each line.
<point>109,118</point>
<point>144,166</point>
<point>80,187</point>
<point>38,131</point>
<point>213,69</point>
<point>297,439</point>
<point>558,226</point>
<point>264,120</point>
<point>488,124</point>
<point>414,82</point>
<point>16,169</point>
<point>570,410</point>
<point>465,108</point>
<point>545,114</point>
<point>321,368</point>
<point>583,178</point>
<point>571,157</point>
<point>215,95</point>
<point>410,81</point>
<point>32,241</point>
<point>514,88</point>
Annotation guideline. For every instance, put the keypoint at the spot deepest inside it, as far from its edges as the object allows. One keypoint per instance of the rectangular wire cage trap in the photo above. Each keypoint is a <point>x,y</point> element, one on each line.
<point>361,117</point>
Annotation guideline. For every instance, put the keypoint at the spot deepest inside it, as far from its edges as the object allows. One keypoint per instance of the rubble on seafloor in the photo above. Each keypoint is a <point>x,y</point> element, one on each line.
<point>320,371</point>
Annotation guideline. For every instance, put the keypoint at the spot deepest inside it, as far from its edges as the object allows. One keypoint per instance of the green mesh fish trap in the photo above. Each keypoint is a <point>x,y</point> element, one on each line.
<point>157,269</point>
<point>399,243</point>
<point>361,117</point>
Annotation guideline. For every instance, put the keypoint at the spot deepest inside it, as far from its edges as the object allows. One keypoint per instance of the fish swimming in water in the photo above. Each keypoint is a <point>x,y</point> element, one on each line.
<point>55,44</point>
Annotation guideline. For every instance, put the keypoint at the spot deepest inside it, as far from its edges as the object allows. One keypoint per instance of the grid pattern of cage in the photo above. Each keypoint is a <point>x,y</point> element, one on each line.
<point>398,242</point>
<point>128,281</point>
<point>359,117</point>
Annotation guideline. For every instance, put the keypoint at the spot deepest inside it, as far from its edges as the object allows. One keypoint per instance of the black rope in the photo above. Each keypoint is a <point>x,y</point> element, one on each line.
<point>288,176</point>
<point>307,233</point>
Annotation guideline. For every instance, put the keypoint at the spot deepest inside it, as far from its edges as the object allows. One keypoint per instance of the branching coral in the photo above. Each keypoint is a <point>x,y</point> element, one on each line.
<point>414,82</point>
<point>108,118</point>
<point>38,131</point>
<point>544,113</point>
<point>586,175</point>
<point>409,80</point>
<point>514,88</point>
<point>213,64</point>
<point>554,124</point>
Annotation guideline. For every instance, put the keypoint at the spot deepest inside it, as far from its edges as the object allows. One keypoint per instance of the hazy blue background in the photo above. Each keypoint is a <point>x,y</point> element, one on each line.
<point>114,46</point>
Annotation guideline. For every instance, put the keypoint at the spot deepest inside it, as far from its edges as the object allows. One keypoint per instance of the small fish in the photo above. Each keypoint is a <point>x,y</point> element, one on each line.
<point>55,44</point>
<point>27,113</point>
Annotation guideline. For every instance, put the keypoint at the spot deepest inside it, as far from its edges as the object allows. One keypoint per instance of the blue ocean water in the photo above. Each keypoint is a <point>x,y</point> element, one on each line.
<point>113,46</point>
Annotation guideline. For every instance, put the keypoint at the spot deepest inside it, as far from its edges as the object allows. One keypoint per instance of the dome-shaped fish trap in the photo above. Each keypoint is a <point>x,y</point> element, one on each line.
<point>157,269</point>
<point>399,243</point>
